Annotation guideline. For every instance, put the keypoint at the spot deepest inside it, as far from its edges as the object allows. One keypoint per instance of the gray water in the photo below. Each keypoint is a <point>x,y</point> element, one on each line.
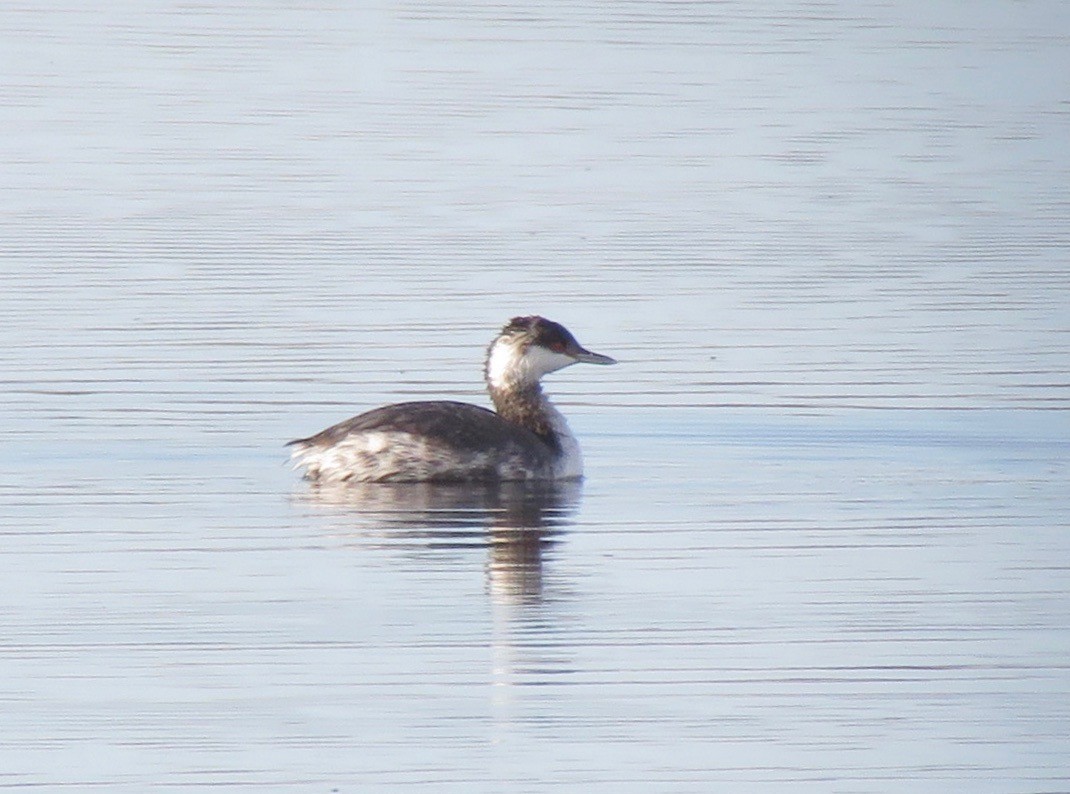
<point>822,543</point>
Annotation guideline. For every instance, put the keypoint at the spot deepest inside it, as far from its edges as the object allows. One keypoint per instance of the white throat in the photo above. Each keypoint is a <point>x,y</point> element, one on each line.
<point>510,368</point>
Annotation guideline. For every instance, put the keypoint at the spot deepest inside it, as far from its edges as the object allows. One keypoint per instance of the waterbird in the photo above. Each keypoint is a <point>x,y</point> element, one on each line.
<point>524,438</point>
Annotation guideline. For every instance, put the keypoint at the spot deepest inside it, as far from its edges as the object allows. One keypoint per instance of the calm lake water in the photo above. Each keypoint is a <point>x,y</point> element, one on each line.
<point>824,537</point>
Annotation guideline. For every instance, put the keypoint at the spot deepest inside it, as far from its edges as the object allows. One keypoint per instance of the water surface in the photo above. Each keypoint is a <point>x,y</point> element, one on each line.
<point>821,544</point>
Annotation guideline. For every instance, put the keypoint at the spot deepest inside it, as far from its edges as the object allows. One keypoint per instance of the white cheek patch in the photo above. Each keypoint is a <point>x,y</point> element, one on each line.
<point>539,361</point>
<point>507,366</point>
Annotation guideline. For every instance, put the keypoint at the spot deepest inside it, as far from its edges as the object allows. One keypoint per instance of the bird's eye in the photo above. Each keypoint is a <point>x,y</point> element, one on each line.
<point>557,347</point>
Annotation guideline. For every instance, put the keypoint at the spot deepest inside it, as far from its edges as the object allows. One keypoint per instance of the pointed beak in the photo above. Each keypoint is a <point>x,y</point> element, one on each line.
<point>587,357</point>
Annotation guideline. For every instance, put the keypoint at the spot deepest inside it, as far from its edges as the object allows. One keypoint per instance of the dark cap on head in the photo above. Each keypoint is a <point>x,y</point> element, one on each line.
<point>552,336</point>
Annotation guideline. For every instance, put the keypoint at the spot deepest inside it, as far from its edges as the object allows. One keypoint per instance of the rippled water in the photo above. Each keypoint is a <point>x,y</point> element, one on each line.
<point>823,540</point>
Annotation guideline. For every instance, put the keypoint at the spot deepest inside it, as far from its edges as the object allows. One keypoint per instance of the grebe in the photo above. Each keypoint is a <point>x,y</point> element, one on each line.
<point>445,441</point>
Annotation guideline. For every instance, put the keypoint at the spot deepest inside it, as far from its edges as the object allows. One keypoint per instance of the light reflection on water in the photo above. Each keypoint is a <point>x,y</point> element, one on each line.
<point>516,526</point>
<point>821,544</point>
<point>515,522</point>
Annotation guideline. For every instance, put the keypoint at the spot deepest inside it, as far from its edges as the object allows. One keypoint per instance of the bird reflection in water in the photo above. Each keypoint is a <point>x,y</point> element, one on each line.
<point>516,521</point>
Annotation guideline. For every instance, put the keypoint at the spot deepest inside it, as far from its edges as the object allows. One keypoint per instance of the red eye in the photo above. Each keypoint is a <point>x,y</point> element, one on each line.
<point>558,347</point>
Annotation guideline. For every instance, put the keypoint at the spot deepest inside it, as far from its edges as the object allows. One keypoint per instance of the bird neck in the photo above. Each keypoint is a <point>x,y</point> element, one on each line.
<point>527,406</point>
